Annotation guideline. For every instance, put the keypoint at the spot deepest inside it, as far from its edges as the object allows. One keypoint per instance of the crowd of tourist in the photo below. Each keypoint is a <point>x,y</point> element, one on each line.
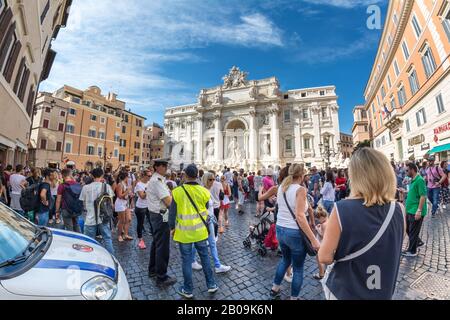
<point>350,219</point>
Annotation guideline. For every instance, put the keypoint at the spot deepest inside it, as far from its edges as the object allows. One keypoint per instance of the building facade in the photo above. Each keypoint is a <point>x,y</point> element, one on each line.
<point>27,29</point>
<point>408,92</point>
<point>360,128</point>
<point>131,139</point>
<point>146,147</point>
<point>346,146</point>
<point>252,124</point>
<point>153,146</point>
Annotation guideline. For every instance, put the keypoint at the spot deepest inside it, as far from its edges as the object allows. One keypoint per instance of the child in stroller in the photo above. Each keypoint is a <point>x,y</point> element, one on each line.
<point>259,232</point>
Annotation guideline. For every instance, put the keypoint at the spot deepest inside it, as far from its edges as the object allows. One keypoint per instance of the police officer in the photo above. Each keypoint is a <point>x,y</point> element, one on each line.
<point>188,221</point>
<point>159,200</point>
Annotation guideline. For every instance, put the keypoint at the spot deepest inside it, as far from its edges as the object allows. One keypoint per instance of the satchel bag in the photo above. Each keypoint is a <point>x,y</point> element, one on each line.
<point>308,246</point>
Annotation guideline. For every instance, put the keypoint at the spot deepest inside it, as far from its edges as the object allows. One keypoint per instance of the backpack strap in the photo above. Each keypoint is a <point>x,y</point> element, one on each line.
<point>377,237</point>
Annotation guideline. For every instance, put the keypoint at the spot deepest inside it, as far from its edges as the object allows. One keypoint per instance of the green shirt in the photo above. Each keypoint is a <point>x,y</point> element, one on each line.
<point>417,189</point>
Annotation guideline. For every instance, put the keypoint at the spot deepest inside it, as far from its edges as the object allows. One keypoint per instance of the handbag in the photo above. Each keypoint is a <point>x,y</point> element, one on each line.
<point>208,219</point>
<point>309,248</point>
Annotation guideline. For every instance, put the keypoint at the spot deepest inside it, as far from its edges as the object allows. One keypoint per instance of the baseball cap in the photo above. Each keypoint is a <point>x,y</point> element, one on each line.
<point>191,171</point>
<point>431,158</point>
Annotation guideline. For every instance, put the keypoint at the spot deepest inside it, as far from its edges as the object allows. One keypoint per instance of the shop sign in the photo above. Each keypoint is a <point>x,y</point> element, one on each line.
<point>442,128</point>
<point>425,146</point>
<point>416,140</point>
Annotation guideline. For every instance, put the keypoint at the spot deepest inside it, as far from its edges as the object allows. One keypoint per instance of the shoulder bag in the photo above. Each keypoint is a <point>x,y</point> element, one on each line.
<point>308,246</point>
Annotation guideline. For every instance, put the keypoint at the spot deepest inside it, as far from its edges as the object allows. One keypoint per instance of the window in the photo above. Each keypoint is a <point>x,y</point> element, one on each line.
<point>324,112</point>
<point>373,108</point>
<point>383,140</point>
<point>116,137</point>
<point>446,24</point>
<point>43,144</point>
<point>408,127</point>
<point>123,143</point>
<point>395,18</point>
<point>116,153</point>
<point>405,49</point>
<point>440,103</point>
<point>92,133</point>
<point>61,127</point>
<point>48,109</point>
<point>389,39</point>
<point>416,26</point>
<point>90,150</point>
<point>8,46</point>
<point>136,159</point>
<point>93,117</point>
<point>122,157</point>
<point>383,92</point>
<point>124,129</point>
<point>305,114</point>
<point>72,112</point>
<point>429,64</point>
<point>76,100</point>
<point>378,100</point>
<point>2,6</point>
<point>288,144</point>
<point>62,114</point>
<point>307,143</point>
<point>68,147</point>
<point>401,96</point>
<point>58,146</point>
<point>366,128</point>
<point>45,124</point>
<point>421,117</point>
<point>70,128</point>
<point>137,145</point>
<point>117,124</point>
<point>389,82</point>
<point>322,93</point>
<point>138,133</point>
<point>45,11</point>
<point>102,120</point>
<point>413,81</point>
<point>101,135</point>
<point>396,69</point>
<point>287,116</point>
<point>303,94</point>
<point>100,151</point>
<point>393,106</point>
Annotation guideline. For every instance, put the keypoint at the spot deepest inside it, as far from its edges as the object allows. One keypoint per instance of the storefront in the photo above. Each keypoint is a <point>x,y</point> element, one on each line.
<point>441,142</point>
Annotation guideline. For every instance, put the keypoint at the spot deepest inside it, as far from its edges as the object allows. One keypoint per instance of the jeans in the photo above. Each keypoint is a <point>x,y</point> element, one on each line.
<point>105,231</point>
<point>51,214</point>
<point>160,248</point>
<point>42,219</point>
<point>294,253</point>
<point>328,205</point>
<point>212,246</point>
<point>186,257</point>
<point>433,196</point>
<point>70,224</point>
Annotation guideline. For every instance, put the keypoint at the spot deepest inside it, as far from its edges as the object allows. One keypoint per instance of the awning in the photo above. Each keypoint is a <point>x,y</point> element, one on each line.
<point>442,148</point>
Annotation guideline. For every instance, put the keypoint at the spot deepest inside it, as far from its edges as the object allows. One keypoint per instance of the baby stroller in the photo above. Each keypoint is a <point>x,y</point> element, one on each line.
<point>258,232</point>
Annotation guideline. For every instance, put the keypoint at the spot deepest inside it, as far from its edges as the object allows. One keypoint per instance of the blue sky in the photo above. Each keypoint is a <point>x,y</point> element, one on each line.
<point>160,53</point>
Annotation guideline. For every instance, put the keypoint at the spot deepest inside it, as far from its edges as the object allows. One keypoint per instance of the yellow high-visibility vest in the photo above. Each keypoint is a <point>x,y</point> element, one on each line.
<point>189,226</point>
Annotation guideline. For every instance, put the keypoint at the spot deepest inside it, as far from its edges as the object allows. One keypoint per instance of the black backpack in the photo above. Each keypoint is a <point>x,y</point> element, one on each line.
<point>104,206</point>
<point>30,198</point>
<point>71,198</point>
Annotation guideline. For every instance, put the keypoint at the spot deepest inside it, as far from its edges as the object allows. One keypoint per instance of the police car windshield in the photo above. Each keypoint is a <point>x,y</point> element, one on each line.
<point>15,234</point>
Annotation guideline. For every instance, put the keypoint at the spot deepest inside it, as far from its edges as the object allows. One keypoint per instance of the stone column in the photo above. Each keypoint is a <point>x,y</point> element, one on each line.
<point>177,130</point>
<point>334,109</point>
<point>199,157</point>
<point>275,132</point>
<point>253,142</point>
<point>315,115</point>
<point>189,150</point>
<point>298,135</point>
<point>218,138</point>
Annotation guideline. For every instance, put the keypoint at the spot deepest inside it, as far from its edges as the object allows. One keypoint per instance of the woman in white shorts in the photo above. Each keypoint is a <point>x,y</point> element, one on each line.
<point>122,208</point>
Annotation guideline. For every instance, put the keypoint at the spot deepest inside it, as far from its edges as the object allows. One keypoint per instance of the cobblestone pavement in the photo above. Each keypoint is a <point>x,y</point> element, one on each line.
<point>252,275</point>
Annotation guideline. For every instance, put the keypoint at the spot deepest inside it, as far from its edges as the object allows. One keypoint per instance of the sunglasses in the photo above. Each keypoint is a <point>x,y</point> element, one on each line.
<point>210,179</point>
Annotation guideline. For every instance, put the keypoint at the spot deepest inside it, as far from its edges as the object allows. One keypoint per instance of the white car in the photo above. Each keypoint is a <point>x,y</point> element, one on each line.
<point>42,263</point>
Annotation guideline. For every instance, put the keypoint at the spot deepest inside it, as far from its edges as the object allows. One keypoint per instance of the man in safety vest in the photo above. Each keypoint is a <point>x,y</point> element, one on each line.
<point>187,220</point>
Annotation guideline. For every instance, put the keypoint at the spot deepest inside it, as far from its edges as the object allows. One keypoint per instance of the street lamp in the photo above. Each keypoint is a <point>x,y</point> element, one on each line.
<point>327,152</point>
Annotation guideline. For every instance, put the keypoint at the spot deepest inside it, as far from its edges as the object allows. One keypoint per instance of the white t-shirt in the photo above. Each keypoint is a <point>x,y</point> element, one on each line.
<point>215,192</point>
<point>15,180</point>
<point>141,203</point>
<point>89,194</point>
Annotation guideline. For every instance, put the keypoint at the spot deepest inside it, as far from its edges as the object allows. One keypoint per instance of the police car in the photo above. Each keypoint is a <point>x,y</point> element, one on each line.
<point>42,263</point>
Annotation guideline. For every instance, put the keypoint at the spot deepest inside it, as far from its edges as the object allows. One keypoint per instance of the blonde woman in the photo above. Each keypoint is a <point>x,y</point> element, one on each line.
<point>364,233</point>
<point>292,196</point>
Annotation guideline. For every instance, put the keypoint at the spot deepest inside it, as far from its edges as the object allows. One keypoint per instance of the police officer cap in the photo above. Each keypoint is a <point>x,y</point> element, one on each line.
<point>191,171</point>
<point>162,161</point>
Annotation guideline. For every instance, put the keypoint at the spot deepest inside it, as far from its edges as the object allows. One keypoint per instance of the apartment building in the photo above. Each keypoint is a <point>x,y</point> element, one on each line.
<point>360,128</point>
<point>346,145</point>
<point>408,92</point>
<point>131,139</point>
<point>27,29</point>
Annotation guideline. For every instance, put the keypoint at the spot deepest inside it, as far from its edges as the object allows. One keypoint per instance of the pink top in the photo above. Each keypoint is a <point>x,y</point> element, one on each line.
<point>267,183</point>
<point>434,174</point>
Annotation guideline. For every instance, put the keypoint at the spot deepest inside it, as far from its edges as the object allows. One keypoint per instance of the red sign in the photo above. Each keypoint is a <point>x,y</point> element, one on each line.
<point>443,128</point>
<point>436,139</point>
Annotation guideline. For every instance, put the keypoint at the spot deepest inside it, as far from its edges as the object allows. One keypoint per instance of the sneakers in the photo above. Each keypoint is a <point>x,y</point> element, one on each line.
<point>168,281</point>
<point>196,266</point>
<point>184,294</point>
<point>152,274</point>
<point>275,295</point>
<point>420,244</point>
<point>409,254</point>
<point>213,289</point>
<point>141,245</point>
<point>223,269</point>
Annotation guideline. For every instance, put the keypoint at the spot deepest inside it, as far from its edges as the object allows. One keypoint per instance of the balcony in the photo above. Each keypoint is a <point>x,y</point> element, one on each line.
<point>393,120</point>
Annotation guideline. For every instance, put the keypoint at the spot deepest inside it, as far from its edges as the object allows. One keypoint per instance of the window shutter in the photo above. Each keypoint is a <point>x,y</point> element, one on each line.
<point>6,43</point>
<point>12,61</point>
<point>18,77</point>
<point>30,101</point>
<point>5,20</point>
<point>24,84</point>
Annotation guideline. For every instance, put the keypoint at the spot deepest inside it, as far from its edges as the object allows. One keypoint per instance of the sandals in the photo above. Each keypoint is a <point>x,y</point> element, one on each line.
<point>120,239</point>
<point>221,230</point>
<point>128,238</point>
<point>317,276</point>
